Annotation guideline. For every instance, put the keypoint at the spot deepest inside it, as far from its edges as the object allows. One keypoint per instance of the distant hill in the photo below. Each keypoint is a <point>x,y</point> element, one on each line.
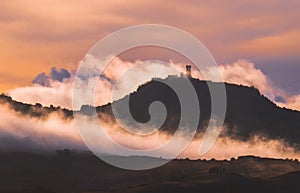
<point>36,110</point>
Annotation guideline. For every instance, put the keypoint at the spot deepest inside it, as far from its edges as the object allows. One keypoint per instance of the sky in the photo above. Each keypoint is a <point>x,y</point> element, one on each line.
<point>36,37</point>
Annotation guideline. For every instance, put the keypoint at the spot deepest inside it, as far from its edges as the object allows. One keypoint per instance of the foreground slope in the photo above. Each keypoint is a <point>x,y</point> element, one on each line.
<point>82,172</point>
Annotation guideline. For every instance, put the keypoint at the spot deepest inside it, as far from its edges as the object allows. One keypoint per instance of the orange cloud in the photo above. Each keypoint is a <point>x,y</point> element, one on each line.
<point>287,43</point>
<point>245,73</point>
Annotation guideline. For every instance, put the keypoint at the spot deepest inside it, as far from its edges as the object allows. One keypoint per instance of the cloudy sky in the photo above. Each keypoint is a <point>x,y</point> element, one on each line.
<point>255,43</point>
<point>36,37</point>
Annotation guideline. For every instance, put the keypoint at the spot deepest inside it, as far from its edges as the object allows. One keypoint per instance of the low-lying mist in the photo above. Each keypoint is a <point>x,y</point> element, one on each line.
<point>19,132</point>
<point>45,135</point>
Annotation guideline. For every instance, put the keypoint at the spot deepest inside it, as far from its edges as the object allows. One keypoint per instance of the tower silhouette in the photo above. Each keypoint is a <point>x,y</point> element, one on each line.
<point>188,69</point>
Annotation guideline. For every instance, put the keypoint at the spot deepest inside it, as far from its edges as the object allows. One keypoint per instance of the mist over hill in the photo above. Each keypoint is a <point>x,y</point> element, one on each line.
<point>248,112</point>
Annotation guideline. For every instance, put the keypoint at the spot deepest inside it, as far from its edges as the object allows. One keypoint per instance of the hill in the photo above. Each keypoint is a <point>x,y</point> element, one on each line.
<point>248,112</point>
